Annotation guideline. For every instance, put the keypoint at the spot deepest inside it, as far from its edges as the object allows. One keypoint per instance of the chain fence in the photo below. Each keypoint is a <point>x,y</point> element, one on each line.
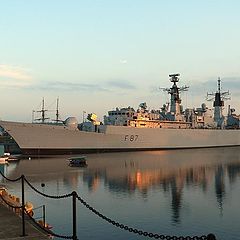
<point>10,180</point>
<point>125,227</point>
<point>141,232</point>
<point>46,195</point>
<point>52,197</point>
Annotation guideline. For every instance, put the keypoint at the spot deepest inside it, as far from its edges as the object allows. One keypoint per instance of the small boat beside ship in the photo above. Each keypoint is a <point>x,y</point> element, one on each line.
<point>79,161</point>
<point>127,129</point>
<point>6,159</point>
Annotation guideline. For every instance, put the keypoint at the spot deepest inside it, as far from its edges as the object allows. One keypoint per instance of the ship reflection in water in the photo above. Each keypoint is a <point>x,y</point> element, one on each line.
<point>181,192</point>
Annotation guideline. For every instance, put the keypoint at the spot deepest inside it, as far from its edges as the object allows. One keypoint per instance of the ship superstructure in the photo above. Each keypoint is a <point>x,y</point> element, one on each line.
<point>174,116</point>
<point>175,113</point>
<point>127,129</point>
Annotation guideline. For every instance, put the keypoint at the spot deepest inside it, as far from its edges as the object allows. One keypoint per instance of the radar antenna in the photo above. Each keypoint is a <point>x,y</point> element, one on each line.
<point>218,97</point>
<point>174,92</point>
<point>175,78</point>
<point>218,102</point>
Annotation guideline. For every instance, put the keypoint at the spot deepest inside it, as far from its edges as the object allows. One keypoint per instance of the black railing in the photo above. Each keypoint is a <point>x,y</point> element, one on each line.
<point>75,197</point>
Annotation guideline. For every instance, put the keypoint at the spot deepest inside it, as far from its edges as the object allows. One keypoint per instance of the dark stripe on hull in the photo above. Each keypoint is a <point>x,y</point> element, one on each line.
<point>38,152</point>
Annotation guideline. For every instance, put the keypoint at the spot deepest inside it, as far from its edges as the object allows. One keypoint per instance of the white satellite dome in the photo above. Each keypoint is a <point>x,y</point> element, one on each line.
<point>71,122</point>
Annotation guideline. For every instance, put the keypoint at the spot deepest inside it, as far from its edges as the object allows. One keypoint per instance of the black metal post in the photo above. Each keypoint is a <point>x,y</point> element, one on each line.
<point>74,209</point>
<point>44,216</point>
<point>23,208</point>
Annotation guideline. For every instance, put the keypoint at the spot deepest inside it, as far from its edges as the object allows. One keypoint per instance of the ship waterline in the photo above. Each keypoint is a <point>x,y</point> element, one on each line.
<point>38,139</point>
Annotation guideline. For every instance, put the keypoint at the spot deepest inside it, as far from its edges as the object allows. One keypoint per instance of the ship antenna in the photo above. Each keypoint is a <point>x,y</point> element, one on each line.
<point>219,84</point>
<point>43,111</point>
<point>57,111</point>
<point>174,77</point>
<point>33,111</point>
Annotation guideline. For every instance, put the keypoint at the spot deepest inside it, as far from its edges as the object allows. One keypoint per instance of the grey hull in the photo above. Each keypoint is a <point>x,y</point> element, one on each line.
<point>39,139</point>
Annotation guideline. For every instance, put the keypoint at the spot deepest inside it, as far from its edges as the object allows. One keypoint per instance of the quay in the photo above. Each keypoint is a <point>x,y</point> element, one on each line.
<point>11,227</point>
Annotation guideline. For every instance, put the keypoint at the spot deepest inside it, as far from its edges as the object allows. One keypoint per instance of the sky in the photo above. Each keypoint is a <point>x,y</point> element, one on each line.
<point>96,55</point>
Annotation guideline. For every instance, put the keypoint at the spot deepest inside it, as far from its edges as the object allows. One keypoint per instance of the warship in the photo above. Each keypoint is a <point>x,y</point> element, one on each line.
<point>126,129</point>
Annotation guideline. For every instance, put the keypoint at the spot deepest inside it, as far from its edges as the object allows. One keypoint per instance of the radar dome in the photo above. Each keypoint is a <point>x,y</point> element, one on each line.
<point>71,122</point>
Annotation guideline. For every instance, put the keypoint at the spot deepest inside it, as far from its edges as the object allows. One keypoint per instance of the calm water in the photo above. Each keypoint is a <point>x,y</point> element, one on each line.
<point>178,192</point>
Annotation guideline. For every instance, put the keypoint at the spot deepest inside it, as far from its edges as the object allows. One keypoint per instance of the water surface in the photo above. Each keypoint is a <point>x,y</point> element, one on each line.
<point>177,192</point>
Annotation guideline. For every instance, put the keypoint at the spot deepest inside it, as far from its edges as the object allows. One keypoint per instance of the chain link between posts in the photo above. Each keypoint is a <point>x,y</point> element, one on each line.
<point>46,195</point>
<point>143,233</point>
<point>11,180</point>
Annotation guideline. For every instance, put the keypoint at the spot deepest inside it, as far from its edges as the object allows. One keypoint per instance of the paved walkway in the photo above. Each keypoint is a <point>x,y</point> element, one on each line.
<point>11,227</point>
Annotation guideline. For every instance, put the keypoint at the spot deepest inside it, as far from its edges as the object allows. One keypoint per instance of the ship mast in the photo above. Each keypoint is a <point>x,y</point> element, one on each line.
<point>43,113</point>
<point>57,120</point>
<point>218,103</point>
<point>175,97</point>
<point>57,111</point>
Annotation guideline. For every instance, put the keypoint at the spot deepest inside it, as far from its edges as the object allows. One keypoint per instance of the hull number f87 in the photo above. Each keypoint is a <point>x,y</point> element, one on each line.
<point>131,138</point>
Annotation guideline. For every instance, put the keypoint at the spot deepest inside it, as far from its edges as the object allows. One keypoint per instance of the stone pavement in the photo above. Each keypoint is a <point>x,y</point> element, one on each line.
<point>11,227</point>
